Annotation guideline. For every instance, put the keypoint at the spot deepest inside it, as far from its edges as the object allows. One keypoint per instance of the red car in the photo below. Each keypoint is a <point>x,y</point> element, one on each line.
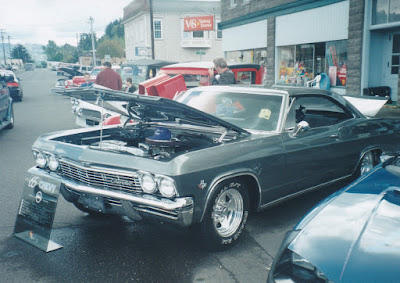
<point>196,73</point>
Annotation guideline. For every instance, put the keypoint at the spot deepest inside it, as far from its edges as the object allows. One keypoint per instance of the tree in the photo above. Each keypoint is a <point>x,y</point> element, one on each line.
<point>69,53</point>
<point>20,52</point>
<point>110,47</point>
<point>85,42</point>
<point>52,51</point>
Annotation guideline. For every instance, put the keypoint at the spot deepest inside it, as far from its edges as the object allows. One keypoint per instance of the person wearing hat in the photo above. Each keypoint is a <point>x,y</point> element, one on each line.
<point>224,76</point>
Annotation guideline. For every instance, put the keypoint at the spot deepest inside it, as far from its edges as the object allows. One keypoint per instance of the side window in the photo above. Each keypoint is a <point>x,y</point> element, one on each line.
<point>245,78</point>
<point>319,111</point>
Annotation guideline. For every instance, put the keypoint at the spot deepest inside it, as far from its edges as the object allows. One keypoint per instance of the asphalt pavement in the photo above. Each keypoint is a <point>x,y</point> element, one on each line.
<point>114,249</point>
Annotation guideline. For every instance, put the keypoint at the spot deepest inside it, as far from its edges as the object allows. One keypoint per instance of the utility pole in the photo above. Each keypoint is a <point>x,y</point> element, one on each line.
<point>2,42</point>
<point>93,47</point>
<point>151,29</point>
<point>9,48</point>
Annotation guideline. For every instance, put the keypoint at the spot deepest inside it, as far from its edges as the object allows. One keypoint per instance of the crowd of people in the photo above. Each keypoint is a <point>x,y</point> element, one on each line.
<point>111,79</point>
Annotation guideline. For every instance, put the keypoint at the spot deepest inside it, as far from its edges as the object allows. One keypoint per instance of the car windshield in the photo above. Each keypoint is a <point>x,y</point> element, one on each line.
<point>139,74</point>
<point>95,72</point>
<point>258,112</point>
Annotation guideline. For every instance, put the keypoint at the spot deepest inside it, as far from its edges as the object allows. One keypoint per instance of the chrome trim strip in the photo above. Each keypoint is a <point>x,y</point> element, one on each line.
<point>227,176</point>
<point>177,204</point>
<point>301,192</point>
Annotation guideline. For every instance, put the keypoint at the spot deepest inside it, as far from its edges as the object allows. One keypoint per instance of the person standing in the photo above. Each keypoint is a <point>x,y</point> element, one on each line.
<point>224,76</point>
<point>129,86</point>
<point>109,78</point>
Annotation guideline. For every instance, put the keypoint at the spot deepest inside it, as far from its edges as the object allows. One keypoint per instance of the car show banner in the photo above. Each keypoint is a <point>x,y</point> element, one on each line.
<point>37,209</point>
<point>198,23</point>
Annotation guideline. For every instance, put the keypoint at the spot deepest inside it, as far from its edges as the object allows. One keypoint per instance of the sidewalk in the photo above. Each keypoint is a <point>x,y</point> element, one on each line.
<point>389,111</point>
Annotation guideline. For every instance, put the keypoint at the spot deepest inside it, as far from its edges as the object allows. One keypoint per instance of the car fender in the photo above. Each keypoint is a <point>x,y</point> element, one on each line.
<point>226,176</point>
<point>368,149</point>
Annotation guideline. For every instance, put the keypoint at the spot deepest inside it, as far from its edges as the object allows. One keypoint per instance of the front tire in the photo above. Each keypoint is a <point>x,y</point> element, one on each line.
<point>226,215</point>
<point>367,163</point>
<point>11,125</point>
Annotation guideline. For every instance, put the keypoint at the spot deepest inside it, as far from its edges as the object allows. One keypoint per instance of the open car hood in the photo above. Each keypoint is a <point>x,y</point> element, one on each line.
<point>367,105</point>
<point>151,108</point>
<point>71,72</point>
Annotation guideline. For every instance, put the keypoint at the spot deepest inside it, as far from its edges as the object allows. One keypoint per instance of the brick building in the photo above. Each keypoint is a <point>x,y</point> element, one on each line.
<point>355,42</point>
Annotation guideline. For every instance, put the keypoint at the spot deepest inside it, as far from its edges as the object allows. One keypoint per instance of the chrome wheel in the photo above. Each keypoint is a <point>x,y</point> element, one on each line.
<point>367,163</point>
<point>227,213</point>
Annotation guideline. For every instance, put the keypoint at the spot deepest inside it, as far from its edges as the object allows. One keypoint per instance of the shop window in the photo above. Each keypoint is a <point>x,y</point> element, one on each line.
<point>336,61</point>
<point>297,64</point>
<point>385,11</point>
<point>302,63</point>
<point>394,12</point>
<point>157,29</point>
<point>233,3</point>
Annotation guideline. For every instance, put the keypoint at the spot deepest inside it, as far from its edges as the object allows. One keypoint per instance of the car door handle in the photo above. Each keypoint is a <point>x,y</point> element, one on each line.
<point>334,136</point>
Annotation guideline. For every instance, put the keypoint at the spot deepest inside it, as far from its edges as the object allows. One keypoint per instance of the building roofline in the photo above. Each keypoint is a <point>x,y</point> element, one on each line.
<point>293,7</point>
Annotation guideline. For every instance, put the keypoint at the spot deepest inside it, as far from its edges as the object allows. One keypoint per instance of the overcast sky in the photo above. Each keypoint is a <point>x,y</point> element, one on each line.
<point>38,21</point>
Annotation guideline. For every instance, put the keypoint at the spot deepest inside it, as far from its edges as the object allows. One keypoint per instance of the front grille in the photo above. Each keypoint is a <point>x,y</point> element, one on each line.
<point>89,113</point>
<point>100,178</point>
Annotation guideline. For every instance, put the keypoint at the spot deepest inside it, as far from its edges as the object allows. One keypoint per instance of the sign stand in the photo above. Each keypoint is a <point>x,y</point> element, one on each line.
<point>37,210</point>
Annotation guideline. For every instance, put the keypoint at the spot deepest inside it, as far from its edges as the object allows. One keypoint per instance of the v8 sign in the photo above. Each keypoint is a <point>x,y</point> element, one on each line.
<point>198,23</point>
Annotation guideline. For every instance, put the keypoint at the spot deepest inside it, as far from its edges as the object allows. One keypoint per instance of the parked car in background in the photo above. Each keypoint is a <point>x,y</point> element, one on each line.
<point>6,103</point>
<point>14,85</point>
<point>92,114</point>
<point>196,73</point>
<point>28,66</point>
<point>15,67</point>
<point>351,236</point>
<point>79,79</point>
<point>178,162</point>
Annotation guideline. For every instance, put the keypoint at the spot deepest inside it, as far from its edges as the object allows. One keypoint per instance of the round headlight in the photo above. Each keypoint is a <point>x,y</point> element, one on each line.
<point>52,162</point>
<point>167,187</point>
<point>40,160</point>
<point>148,183</point>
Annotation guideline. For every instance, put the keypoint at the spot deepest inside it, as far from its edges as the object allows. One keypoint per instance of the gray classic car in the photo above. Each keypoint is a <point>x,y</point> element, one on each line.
<point>213,156</point>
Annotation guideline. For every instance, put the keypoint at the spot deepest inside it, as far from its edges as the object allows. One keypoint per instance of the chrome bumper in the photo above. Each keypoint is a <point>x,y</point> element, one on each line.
<point>179,210</point>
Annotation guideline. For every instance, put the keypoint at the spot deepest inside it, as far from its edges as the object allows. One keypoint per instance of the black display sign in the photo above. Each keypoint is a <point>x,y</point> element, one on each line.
<point>37,210</point>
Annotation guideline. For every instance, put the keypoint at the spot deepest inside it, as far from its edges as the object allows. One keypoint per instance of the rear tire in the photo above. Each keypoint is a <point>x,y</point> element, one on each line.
<point>226,215</point>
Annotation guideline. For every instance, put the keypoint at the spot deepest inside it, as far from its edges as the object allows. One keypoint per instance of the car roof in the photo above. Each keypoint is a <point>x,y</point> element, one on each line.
<point>194,65</point>
<point>7,72</point>
<point>257,89</point>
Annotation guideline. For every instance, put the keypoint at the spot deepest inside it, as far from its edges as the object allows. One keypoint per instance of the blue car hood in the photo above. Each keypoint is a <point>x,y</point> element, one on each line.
<point>356,236</point>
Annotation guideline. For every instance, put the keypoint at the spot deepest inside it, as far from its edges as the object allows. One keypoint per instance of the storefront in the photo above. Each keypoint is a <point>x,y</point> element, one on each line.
<point>382,52</point>
<point>246,43</point>
<point>311,42</point>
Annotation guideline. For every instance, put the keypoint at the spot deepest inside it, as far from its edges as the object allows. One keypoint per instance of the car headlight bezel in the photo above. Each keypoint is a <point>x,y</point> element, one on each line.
<point>148,183</point>
<point>166,186</point>
<point>52,162</point>
<point>40,159</point>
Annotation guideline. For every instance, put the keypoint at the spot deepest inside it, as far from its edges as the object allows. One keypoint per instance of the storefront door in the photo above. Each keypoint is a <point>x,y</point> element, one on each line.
<point>391,64</point>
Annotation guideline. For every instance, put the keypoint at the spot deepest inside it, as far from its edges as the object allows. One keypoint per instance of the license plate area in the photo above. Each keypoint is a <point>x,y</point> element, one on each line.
<point>92,202</point>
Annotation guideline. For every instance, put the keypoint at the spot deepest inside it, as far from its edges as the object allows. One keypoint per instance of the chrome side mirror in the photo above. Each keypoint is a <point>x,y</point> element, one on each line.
<point>303,126</point>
